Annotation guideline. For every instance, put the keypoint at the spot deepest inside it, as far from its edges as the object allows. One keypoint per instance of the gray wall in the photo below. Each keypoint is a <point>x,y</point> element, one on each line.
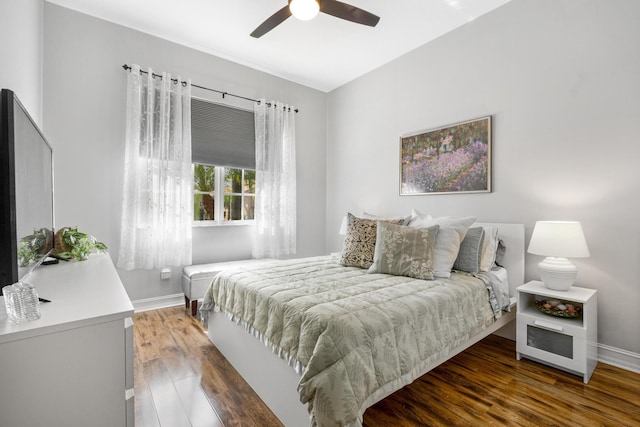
<point>84,118</point>
<point>561,80</point>
<point>21,52</point>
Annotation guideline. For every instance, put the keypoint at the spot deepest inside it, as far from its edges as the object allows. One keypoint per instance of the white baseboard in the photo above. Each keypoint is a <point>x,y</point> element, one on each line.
<point>620,358</point>
<point>158,302</point>
<point>606,354</point>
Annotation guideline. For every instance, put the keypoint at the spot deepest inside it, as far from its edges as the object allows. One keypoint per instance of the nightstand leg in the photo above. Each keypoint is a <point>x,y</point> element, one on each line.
<point>517,355</point>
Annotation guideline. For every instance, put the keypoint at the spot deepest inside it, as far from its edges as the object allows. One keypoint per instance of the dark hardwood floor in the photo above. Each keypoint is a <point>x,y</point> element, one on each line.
<point>182,380</point>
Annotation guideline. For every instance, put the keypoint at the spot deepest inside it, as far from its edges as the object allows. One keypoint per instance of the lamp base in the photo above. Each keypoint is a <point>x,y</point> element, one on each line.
<point>557,273</point>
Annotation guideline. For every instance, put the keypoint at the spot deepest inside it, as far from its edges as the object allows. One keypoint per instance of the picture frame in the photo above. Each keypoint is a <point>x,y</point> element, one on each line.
<point>453,159</point>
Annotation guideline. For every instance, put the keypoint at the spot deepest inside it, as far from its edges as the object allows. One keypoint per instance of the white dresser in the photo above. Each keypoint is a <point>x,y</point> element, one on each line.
<point>73,366</point>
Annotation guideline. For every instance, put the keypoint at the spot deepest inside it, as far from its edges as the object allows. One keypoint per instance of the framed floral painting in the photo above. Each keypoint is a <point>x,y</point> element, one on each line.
<point>448,160</point>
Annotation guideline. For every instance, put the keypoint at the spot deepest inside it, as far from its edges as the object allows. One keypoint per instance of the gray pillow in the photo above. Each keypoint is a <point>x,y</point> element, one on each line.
<point>450,236</point>
<point>360,241</point>
<point>404,251</point>
<point>470,252</point>
<point>502,248</point>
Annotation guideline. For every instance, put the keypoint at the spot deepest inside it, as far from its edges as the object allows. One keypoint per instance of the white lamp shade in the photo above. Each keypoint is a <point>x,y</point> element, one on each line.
<point>563,239</point>
<point>304,10</point>
<point>558,240</point>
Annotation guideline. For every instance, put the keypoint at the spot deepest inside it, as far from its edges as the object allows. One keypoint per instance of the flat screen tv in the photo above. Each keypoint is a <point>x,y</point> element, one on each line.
<point>26,191</point>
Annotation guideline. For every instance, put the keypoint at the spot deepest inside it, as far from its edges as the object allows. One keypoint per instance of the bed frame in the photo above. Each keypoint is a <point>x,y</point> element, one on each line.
<point>276,382</point>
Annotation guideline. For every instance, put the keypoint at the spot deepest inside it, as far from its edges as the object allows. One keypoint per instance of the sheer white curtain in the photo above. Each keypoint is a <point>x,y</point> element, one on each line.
<point>158,178</point>
<point>275,208</point>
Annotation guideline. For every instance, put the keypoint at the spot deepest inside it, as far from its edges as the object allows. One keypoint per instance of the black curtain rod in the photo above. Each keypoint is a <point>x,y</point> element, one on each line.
<point>154,75</point>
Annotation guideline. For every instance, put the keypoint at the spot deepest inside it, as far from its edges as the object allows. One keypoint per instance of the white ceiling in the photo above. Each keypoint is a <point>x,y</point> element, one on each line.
<point>323,53</point>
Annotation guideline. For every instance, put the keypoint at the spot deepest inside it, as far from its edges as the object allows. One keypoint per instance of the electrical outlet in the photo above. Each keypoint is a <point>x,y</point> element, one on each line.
<point>165,274</point>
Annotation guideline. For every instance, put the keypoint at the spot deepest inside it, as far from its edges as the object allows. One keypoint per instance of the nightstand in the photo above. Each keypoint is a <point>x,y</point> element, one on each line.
<point>566,343</point>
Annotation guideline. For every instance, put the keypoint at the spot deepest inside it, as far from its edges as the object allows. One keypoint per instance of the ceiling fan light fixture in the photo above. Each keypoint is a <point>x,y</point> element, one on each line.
<point>304,10</point>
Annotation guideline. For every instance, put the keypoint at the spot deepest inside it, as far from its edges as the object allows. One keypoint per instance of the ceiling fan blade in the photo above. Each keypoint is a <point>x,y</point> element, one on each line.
<point>348,12</point>
<point>272,22</point>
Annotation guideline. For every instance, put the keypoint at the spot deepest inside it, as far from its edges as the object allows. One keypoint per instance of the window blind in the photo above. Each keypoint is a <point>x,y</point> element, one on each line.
<point>222,135</point>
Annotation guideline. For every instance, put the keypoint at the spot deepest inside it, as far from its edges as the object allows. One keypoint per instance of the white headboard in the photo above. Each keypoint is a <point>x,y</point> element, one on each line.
<point>513,237</point>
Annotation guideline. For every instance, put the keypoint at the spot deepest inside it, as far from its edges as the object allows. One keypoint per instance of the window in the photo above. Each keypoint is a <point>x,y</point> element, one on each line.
<point>239,194</point>
<point>223,153</point>
<point>204,192</point>
<point>238,189</point>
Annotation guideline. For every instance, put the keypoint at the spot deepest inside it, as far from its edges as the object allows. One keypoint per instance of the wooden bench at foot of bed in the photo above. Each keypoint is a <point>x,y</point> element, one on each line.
<point>197,278</point>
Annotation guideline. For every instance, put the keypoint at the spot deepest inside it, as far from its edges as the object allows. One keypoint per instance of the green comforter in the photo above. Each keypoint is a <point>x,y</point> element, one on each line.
<point>354,337</point>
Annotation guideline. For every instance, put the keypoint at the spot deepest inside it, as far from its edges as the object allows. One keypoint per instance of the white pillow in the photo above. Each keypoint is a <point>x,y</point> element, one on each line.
<point>368,215</point>
<point>416,216</point>
<point>489,248</point>
<point>448,239</point>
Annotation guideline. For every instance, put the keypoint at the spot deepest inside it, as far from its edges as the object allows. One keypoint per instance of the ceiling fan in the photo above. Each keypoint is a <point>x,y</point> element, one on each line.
<point>308,9</point>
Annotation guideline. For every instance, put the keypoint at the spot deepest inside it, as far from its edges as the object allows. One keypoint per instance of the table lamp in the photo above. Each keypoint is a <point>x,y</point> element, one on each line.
<point>557,241</point>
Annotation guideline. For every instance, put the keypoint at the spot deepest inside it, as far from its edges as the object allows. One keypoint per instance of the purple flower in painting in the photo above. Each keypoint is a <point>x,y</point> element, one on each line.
<point>464,169</point>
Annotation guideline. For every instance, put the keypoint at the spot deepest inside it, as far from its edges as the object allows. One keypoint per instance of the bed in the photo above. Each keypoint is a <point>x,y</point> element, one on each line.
<point>334,367</point>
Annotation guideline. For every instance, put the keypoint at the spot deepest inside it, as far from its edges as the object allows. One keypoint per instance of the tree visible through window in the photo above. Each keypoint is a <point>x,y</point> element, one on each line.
<point>204,181</point>
<point>237,186</point>
<point>239,194</point>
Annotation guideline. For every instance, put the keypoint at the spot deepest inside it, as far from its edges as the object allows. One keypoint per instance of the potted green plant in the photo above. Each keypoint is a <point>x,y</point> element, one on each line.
<point>71,243</point>
<point>34,246</point>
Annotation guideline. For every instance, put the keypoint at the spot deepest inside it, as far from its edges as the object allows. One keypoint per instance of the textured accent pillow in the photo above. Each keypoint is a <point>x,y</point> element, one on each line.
<point>470,251</point>
<point>360,241</point>
<point>448,240</point>
<point>489,248</point>
<point>404,251</point>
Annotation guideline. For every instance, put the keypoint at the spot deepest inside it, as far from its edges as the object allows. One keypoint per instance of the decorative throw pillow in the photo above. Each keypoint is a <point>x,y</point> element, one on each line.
<point>360,241</point>
<point>470,251</point>
<point>404,251</point>
<point>448,240</point>
<point>489,248</point>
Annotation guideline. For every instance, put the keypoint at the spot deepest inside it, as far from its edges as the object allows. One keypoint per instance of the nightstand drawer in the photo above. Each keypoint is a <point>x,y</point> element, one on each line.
<point>556,341</point>
<point>554,324</point>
